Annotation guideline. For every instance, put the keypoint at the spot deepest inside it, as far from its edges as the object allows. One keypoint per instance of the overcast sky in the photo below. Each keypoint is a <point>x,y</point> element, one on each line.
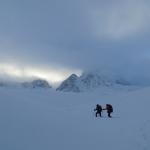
<point>69,36</point>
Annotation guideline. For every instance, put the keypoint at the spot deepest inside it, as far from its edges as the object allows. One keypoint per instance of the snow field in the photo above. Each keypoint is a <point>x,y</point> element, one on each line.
<point>46,119</point>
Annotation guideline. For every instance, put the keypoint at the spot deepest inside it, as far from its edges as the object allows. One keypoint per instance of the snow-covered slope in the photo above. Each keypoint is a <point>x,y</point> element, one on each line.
<point>36,84</point>
<point>2,84</point>
<point>89,81</point>
<point>45,119</point>
<point>70,84</point>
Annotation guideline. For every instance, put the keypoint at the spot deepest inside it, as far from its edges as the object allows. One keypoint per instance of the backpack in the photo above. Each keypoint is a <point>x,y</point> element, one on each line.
<point>110,107</point>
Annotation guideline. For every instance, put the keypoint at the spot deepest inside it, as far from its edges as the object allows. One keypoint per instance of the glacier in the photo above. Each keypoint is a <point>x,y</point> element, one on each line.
<point>35,119</point>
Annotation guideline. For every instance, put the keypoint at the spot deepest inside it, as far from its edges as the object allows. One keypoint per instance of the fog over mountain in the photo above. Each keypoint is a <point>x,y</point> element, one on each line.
<point>56,37</point>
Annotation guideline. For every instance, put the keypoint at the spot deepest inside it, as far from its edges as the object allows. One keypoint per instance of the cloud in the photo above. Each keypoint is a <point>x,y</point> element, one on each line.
<point>121,19</point>
<point>75,35</point>
<point>22,73</point>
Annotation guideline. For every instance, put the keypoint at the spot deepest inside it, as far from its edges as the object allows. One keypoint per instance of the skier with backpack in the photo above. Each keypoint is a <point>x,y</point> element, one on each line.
<point>109,109</point>
<point>98,110</point>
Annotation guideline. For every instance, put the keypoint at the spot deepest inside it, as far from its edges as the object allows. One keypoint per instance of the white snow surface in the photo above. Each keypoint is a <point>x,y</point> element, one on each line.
<point>48,120</point>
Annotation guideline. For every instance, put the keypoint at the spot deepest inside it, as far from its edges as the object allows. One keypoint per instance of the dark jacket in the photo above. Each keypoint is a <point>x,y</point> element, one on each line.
<point>98,108</point>
<point>109,108</point>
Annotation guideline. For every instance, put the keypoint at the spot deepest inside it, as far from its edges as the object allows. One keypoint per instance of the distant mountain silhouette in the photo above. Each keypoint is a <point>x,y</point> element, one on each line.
<point>89,81</point>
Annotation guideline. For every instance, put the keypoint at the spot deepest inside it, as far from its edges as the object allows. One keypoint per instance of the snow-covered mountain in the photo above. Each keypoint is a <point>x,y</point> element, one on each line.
<point>87,81</point>
<point>70,84</point>
<point>39,83</point>
<point>90,81</point>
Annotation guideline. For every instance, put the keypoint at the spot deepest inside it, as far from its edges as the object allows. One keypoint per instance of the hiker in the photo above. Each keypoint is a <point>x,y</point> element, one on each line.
<point>98,110</point>
<point>109,109</point>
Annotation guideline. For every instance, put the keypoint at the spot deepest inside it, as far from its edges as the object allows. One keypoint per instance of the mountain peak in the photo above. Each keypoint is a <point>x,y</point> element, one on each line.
<point>70,84</point>
<point>38,83</point>
<point>89,81</point>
